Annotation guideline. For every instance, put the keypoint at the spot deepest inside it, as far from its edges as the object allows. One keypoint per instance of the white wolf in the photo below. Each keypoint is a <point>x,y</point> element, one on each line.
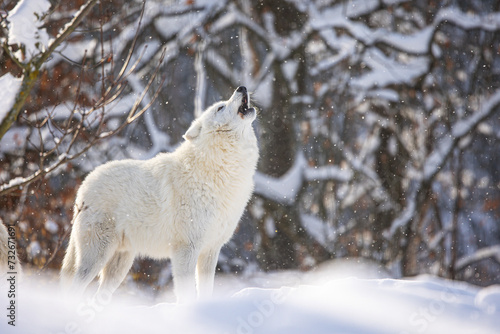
<point>183,205</point>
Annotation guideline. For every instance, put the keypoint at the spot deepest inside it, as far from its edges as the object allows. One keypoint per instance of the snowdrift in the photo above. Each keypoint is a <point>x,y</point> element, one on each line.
<point>288,302</point>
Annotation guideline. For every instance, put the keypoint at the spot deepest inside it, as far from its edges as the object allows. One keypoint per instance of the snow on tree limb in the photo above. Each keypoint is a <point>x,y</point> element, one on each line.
<point>321,231</point>
<point>90,120</point>
<point>32,68</point>
<point>417,43</point>
<point>328,173</point>
<point>407,214</point>
<point>25,27</point>
<point>436,160</point>
<point>387,71</point>
<point>9,87</point>
<point>284,189</point>
<point>480,254</point>
<point>201,85</point>
<point>233,17</point>
<point>467,21</point>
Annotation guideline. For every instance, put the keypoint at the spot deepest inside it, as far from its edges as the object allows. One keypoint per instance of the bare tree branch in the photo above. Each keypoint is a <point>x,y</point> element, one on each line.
<point>31,70</point>
<point>72,131</point>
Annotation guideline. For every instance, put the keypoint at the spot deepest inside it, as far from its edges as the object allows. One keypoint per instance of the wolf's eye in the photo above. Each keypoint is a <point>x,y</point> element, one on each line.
<point>220,108</point>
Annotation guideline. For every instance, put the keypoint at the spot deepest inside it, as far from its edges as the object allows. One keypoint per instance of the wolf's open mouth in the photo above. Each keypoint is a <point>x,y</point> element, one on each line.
<point>243,109</point>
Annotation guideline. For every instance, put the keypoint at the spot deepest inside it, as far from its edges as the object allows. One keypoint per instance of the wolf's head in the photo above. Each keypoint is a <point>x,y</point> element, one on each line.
<point>231,116</point>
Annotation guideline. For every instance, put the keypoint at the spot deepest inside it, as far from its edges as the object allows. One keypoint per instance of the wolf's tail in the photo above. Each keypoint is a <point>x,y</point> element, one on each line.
<point>68,266</point>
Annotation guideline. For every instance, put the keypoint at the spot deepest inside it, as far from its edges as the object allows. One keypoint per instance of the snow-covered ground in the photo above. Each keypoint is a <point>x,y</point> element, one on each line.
<point>330,300</point>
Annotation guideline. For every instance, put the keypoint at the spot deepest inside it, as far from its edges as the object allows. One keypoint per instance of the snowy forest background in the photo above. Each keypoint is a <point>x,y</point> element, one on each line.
<point>378,124</point>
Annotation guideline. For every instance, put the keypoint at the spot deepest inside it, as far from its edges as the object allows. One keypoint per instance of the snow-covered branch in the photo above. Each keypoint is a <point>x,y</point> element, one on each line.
<point>88,122</point>
<point>437,159</point>
<point>32,68</point>
<point>479,255</point>
<point>462,128</point>
<point>284,189</point>
<point>417,43</point>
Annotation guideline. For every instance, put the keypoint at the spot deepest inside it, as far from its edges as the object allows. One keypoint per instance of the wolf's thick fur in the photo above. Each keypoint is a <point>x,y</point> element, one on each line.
<point>183,205</point>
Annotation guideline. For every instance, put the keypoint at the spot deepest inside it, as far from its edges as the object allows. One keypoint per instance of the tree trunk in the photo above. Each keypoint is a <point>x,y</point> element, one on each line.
<point>278,147</point>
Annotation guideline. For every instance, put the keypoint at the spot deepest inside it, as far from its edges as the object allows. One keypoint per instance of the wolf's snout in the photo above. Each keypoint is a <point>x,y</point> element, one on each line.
<point>244,109</point>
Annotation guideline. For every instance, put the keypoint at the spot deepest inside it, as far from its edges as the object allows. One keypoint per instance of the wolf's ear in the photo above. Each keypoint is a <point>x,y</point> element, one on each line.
<point>193,131</point>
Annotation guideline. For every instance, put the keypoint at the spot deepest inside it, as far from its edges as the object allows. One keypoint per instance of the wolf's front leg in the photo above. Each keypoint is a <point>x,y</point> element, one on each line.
<point>184,260</point>
<point>205,272</point>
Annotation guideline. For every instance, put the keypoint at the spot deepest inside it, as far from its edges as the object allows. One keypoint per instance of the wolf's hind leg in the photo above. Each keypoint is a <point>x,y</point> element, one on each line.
<point>115,271</point>
<point>95,244</point>
<point>91,263</point>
